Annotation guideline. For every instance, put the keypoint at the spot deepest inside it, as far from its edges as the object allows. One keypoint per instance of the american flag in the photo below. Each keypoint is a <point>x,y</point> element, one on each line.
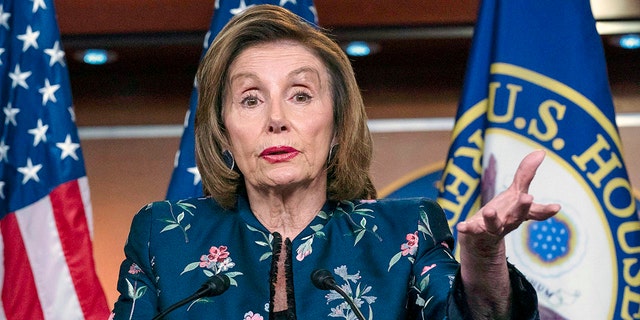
<point>46,268</point>
<point>185,180</point>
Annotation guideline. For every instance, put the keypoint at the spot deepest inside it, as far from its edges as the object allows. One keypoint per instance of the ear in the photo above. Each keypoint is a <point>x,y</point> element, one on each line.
<point>332,151</point>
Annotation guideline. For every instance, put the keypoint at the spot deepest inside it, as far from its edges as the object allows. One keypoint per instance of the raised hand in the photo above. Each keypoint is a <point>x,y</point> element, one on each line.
<point>484,271</point>
<point>508,210</point>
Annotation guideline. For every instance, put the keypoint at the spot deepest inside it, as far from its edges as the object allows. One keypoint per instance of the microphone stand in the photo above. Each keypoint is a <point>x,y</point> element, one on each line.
<point>214,286</point>
<point>324,280</point>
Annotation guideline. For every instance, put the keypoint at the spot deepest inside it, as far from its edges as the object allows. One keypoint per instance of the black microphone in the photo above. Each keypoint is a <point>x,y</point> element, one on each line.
<point>214,286</point>
<point>323,280</point>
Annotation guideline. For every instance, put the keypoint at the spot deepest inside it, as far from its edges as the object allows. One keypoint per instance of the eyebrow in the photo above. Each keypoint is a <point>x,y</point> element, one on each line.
<point>243,75</point>
<point>305,69</point>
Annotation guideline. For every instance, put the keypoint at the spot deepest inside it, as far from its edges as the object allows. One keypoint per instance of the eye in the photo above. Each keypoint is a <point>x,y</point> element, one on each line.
<point>301,97</point>
<point>250,101</point>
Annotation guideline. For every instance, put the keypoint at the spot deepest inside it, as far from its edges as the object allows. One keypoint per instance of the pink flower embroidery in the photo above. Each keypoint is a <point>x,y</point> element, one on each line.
<point>134,269</point>
<point>411,246</point>
<point>427,268</point>
<point>216,254</point>
<point>302,254</point>
<point>252,316</point>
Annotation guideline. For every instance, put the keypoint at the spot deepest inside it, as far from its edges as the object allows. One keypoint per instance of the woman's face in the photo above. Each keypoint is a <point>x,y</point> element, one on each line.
<point>278,112</point>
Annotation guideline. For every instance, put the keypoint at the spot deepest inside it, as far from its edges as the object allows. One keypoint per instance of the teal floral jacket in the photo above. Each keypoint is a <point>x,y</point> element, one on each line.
<point>393,257</point>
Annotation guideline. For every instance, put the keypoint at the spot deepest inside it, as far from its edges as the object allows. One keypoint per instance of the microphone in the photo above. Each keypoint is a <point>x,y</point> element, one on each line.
<point>323,280</point>
<point>214,286</point>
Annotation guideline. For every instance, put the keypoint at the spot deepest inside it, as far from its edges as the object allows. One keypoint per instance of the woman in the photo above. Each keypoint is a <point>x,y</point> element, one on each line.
<point>283,150</point>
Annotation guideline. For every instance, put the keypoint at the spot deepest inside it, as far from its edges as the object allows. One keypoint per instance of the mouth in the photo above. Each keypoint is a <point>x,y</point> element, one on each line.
<point>279,154</point>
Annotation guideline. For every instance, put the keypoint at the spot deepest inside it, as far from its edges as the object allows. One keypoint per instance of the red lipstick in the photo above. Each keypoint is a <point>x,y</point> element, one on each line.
<point>279,154</point>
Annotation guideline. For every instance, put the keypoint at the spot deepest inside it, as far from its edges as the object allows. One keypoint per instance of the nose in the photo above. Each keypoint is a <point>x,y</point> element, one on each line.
<point>277,128</point>
<point>277,119</point>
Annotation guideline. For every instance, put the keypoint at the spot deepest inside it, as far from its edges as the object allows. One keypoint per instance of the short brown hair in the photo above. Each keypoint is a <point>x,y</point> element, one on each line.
<point>348,170</point>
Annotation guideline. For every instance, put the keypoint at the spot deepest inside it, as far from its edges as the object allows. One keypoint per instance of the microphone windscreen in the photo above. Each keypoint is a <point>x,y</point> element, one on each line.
<point>217,284</point>
<point>322,279</point>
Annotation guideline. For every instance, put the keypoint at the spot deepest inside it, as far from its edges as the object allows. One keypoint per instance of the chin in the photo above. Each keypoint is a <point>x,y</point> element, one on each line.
<point>286,174</point>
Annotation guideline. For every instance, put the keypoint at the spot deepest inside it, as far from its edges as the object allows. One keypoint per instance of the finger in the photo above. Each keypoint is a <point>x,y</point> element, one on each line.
<point>463,227</point>
<point>469,227</point>
<point>541,212</point>
<point>527,170</point>
<point>492,222</point>
<point>488,222</point>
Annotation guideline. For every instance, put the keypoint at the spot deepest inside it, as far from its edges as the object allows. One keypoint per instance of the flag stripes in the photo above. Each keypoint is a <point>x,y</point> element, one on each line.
<point>19,284</point>
<point>46,260</point>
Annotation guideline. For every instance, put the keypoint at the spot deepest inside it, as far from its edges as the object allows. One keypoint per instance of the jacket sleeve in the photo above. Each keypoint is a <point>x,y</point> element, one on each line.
<point>438,287</point>
<point>435,267</point>
<point>136,284</point>
<point>524,301</point>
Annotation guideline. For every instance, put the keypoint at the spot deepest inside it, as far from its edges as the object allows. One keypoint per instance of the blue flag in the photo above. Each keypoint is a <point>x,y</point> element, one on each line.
<point>185,180</point>
<point>47,268</point>
<point>537,79</point>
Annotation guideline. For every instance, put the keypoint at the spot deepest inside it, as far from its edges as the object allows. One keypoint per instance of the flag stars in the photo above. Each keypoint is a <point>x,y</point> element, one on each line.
<point>196,174</point>
<point>283,2</point>
<point>39,133</point>
<point>176,159</point>
<point>242,6</point>
<point>37,4</point>
<point>19,78</point>
<point>4,151</point>
<point>72,113</point>
<point>68,148</point>
<point>205,43</point>
<point>315,13</point>
<point>29,38</point>
<point>1,52</point>
<point>10,114</point>
<point>48,92</point>
<point>56,54</point>
<point>2,189</point>
<point>30,172</point>
<point>185,123</point>
<point>4,17</point>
